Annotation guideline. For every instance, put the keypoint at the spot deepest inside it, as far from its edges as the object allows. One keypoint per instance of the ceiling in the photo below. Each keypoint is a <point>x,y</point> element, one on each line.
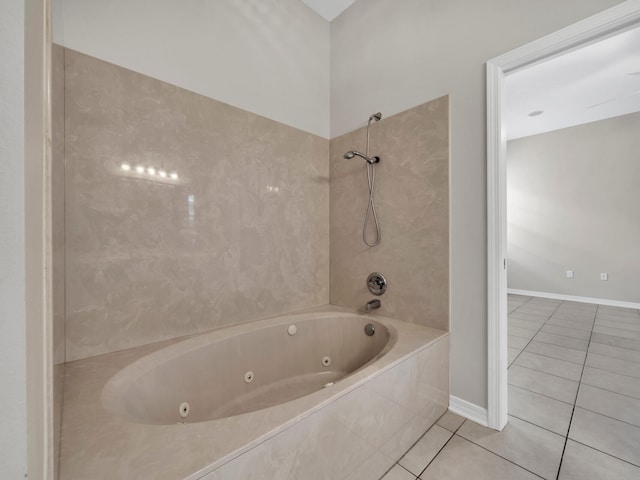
<point>599,81</point>
<point>329,9</point>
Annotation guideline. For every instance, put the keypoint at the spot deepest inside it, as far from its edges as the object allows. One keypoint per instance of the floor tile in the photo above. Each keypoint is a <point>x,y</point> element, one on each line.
<point>533,310</point>
<point>375,466</point>
<point>629,316</point>
<point>611,308</point>
<point>622,324</point>
<point>616,352</point>
<point>611,404</point>
<point>606,434</point>
<point>611,364</point>
<point>612,381</point>
<point>539,410</point>
<point>617,341</point>
<point>517,342</point>
<point>528,317</point>
<point>526,324</point>
<point>513,354</point>
<point>421,454</point>
<point>543,383</point>
<point>554,366</point>
<point>521,332</point>
<point>571,323</point>
<point>398,473</point>
<point>555,351</point>
<point>583,463</point>
<point>534,448</point>
<point>567,332</point>
<point>562,341</point>
<point>462,460</point>
<point>617,332</point>
<point>450,421</point>
<point>579,306</point>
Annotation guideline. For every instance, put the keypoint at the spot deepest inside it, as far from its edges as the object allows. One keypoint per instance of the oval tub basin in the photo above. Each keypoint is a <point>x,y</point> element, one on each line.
<point>220,375</point>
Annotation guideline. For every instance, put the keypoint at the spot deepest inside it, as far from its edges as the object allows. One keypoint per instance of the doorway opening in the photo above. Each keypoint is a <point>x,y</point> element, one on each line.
<point>608,23</point>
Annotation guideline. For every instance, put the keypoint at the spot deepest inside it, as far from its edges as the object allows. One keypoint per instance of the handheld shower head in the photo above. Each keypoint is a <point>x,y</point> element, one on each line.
<point>376,117</point>
<point>354,153</point>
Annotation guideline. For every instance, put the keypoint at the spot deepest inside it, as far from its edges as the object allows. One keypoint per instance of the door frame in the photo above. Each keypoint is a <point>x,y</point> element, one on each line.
<point>607,23</point>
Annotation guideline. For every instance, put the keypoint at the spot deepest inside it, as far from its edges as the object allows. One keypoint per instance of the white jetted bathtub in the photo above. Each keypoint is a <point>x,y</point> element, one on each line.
<point>329,394</point>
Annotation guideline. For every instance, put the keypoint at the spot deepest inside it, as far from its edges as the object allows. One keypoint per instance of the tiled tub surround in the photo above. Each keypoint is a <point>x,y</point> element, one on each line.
<point>241,234</point>
<point>412,202</point>
<point>57,239</point>
<point>352,430</point>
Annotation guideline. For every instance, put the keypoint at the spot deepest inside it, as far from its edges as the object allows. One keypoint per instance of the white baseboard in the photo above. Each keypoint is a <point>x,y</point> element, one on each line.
<point>468,410</point>
<point>573,298</point>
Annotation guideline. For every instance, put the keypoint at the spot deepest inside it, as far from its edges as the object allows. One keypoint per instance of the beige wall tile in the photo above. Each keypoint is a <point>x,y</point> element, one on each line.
<point>412,201</point>
<point>243,232</point>
<point>57,240</point>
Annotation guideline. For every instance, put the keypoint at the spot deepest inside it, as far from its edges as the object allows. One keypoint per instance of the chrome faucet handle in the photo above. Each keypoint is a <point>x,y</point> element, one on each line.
<point>376,283</point>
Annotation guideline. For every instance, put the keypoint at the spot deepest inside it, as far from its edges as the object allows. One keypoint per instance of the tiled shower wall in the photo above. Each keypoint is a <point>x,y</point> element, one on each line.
<point>412,203</point>
<point>242,233</point>
<point>57,240</point>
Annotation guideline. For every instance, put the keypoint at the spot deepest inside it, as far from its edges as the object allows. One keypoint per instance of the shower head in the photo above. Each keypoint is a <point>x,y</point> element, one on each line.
<point>375,116</point>
<point>354,153</point>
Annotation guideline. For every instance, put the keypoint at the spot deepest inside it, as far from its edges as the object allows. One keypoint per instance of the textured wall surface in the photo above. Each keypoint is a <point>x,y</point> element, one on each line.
<point>57,239</point>
<point>573,204</point>
<point>242,233</point>
<point>412,202</point>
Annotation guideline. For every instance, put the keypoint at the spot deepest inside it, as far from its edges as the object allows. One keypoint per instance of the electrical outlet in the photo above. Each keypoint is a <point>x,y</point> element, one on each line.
<point>604,276</point>
<point>569,273</point>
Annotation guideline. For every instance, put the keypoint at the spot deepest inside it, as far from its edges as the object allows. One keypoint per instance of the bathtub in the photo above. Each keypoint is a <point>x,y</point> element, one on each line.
<point>309,395</point>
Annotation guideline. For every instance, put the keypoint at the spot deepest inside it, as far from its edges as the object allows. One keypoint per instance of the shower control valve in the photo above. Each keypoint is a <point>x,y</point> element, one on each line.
<point>376,283</point>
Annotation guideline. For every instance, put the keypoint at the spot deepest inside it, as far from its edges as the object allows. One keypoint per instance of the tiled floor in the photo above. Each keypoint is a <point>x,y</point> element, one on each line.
<point>574,403</point>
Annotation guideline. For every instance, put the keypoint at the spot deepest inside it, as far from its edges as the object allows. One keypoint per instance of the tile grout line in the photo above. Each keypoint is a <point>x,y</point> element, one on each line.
<point>563,346</point>
<point>536,425</point>
<point>543,395</point>
<point>556,358</point>
<point>397,462</point>
<point>566,439</point>
<point>612,391</point>
<point>579,383</point>
<point>607,416</point>
<point>605,453</point>
<point>617,346</point>
<point>609,371</point>
<point>560,334</point>
<point>453,434</point>
<point>497,455</point>
<point>405,469</point>
<point>529,342</point>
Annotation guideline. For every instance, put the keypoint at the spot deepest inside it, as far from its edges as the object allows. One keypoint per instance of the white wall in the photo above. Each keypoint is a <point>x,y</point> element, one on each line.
<point>270,58</point>
<point>390,55</point>
<point>13,446</point>
<point>573,204</point>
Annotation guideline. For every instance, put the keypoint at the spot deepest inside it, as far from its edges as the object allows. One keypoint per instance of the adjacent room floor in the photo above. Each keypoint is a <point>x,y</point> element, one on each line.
<point>574,403</point>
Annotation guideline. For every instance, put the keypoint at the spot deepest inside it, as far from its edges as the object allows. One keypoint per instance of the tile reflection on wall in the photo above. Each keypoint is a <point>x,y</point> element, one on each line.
<point>412,202</point>
<point>183,213</point>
